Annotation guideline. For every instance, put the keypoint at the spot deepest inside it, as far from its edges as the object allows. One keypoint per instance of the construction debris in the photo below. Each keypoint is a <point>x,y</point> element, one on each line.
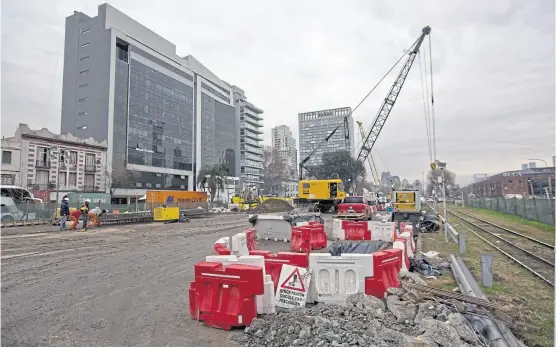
<point>364,321</point>
<point>272,206</point>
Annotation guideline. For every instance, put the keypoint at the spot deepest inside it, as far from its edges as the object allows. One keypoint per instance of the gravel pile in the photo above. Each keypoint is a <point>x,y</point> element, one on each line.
<point>363,321</point>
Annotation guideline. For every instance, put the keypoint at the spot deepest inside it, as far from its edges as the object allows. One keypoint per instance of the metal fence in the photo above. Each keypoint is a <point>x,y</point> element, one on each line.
<point>535,209</point>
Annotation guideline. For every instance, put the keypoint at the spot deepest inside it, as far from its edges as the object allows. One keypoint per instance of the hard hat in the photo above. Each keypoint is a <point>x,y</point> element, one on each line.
<point>66,199</point>
<point>87,201</point>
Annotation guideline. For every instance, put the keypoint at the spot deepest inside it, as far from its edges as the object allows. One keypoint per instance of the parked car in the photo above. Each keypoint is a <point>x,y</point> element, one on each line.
<point>354,207</point>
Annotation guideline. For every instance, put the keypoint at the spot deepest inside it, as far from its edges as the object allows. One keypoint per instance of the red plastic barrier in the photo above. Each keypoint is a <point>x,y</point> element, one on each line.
<point>318,235</point>
<point>273,262</point>
<point>385,274</point>
<point>380,207</point>
<point>221,249</point>
<point>356,230</point>
<point>192,301</point>
<point>251,238</point>
<point>225,296</point>
<point>300,241</point>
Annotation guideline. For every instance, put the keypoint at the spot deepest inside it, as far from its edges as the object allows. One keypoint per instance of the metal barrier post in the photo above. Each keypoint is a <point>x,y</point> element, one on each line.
<point>486,270</point>
<point>461,242</point>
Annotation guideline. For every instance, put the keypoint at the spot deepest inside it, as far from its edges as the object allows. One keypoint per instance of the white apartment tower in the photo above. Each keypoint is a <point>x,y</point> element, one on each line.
<point>250,139</point>
<point>285,143</point>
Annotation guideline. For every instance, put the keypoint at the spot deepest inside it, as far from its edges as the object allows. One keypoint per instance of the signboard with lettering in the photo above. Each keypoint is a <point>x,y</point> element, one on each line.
<point>186,199</point>
<point>95,197</point>
<point>293,287</point>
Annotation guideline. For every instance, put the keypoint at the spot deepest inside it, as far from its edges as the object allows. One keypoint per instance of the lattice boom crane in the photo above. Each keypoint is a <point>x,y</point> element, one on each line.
<point>390,100</point>
<point>370,159</point>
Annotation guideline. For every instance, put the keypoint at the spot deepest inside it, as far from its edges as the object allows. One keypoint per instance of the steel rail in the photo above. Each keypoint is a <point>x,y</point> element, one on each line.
<point>505,240</point>
<point>504,252</point>
<point>508,230</point>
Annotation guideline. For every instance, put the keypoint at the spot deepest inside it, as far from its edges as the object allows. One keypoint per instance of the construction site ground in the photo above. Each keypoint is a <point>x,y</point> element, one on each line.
<point>526,299</point>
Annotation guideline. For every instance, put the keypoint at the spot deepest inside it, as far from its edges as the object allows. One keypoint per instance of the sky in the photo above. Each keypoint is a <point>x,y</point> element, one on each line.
<point>493,69</point>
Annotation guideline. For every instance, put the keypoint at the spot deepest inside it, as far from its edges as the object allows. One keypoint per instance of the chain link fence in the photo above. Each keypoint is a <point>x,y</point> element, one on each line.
<point>535,209</point>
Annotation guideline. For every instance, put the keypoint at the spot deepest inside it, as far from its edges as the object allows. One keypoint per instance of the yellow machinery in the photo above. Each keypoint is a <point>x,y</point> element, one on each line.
<point>406,201</point>
<point>166,214</point>
<point>325,195</point>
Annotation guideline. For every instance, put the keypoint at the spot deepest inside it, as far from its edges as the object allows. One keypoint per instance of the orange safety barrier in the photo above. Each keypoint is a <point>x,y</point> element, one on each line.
<point>356,230</point>
<point>251,238</point>
<point>273,262</point>
<point>387,266</point>
<point>318,235</point>
<point>225,297</point>
<point>300,240</point>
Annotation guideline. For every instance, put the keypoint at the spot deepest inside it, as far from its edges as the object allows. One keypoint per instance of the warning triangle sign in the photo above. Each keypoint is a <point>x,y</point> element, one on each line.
<point>294,282</point>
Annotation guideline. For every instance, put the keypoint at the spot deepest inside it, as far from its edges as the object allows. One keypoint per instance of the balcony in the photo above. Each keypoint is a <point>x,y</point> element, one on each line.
<point>90,167</point>
<point>91,188</point>
<point>252,137</point>
<point>43,163</point>
<point>247,126</point>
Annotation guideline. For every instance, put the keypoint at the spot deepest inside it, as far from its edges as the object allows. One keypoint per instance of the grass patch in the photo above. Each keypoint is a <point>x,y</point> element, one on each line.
<point>509,219</point>
<point>526,299</point>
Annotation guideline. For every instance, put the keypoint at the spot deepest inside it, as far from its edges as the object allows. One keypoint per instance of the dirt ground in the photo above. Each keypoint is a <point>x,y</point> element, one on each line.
<point>113,286</point>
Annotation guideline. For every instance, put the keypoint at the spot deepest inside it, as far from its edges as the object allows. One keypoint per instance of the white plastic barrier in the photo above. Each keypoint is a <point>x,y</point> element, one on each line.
<point>409,228</point>
<point>385,231</point>
<point>334,278</point>
<point>266,302</point>
<point>409,241</point>
<point>273,227</point>
<point>224,241</point>
<point>239,244</point>
<point>398,244</point>
<point>302,223</point>
<point>338,232</point>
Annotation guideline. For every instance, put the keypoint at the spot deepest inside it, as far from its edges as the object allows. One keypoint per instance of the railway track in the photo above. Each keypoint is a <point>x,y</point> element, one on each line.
<point>534,255</point>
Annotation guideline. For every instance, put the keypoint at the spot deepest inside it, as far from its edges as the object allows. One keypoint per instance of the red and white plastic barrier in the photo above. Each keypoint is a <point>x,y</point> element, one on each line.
<point>225,296</point>
<point>273,262</point>
<point>222,246</point>
<point>338,232</point>
<point>385,231</point>
<point>356,230</point>
<point>400,243</point>
<point>386,269</point>
<point>301,239</point>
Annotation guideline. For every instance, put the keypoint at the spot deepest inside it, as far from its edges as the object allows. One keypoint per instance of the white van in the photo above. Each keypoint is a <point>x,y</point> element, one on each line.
<point>12,212</point>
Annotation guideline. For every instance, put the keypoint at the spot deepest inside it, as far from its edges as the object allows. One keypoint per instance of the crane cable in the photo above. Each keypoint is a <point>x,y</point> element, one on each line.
<point>425,103</point>
<point>432,103</point>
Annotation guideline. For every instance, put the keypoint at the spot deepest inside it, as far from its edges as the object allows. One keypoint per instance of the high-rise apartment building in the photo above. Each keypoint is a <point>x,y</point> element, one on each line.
<point>164,116</point>
<point>315,126</point>
<point>284,142</point>
<point>251,141</point>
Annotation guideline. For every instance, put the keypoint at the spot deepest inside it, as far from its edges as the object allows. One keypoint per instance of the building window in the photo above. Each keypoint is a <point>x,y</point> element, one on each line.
<point>62,179</point>
<point>84,58</point>
<point>73,159</point>
<point>84,31</point>
<point>43,157</point>
<point>84,72</point>
<point>6,157</point>
<point>90,161</point>
<point>85,44</point>
<point>83,85</point>
<point>83,113</point>
<point>42,177</point>
<point>122,51</point>
<point>8,179</point>
<point>89,182</point>
<point>72,179</point>
<point>83,99</point>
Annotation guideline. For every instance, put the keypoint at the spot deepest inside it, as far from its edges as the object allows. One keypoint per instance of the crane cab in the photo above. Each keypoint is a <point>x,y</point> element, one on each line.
<point>325,195</point>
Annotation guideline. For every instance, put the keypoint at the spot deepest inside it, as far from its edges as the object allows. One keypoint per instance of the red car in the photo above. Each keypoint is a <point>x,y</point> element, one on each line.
<point>354,208</point>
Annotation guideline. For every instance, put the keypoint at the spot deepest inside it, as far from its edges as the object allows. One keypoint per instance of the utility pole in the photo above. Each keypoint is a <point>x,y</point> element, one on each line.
<point>57,154</point>
<point>444,203</point>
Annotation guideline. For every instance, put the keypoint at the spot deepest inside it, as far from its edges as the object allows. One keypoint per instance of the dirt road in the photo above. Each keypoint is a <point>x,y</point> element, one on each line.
<point>114,286</point>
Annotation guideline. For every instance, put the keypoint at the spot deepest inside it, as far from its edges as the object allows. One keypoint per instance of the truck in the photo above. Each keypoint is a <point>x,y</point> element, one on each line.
<point>354,208</point>
<point>406,206</point>
<point>321,195</point>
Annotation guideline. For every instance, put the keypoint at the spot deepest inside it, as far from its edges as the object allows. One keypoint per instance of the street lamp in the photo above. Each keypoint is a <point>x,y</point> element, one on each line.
<point>538,159</point>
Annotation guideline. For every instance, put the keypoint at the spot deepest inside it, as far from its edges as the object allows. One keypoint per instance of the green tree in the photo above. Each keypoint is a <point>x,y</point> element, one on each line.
<point>432,180</point>
<point>340,164</point>
<point>211,179</point>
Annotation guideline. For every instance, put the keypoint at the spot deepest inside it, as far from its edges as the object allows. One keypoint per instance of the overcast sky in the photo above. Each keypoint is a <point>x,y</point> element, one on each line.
<point>493,68</point>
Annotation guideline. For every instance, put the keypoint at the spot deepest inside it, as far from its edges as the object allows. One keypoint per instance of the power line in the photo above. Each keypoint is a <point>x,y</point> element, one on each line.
<point>54,77</point>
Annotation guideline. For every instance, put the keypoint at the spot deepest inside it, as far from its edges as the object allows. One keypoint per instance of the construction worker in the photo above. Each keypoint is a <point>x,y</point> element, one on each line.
<point>64,213</point>
<point>85,212</point>
<point>74,216</point>
<point>94,215</point>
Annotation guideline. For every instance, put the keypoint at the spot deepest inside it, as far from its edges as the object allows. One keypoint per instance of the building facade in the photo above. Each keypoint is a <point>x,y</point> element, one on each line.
<point>286,145</point>
<point>526,182</point>
<point>315,126</point>
<point>251,141</point>
<point>164,116</point>
<point>42,162</point>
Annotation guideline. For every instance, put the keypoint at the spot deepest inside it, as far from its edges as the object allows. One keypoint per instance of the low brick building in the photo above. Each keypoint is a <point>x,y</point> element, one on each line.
<point>515,182</point>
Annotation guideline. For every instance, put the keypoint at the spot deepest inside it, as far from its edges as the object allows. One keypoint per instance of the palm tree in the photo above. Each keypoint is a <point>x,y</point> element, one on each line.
<point>212,178</point>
